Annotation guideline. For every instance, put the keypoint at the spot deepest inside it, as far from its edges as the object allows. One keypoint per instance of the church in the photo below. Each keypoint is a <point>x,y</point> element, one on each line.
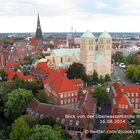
<point>94,53</point>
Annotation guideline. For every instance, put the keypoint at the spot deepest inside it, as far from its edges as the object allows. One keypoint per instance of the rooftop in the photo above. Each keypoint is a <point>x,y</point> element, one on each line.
<point>87,34</point>
<point>105,35</point>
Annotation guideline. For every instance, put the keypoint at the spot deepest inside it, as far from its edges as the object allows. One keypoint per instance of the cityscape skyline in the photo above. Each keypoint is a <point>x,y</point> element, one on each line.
<point>95,15</point>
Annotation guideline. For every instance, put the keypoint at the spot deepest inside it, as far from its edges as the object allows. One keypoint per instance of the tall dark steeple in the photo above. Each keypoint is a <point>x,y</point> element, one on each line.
<point>39,36</point>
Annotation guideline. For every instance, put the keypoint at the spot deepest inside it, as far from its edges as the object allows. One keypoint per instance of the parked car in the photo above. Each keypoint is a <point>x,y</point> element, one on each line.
<point>123,66</point>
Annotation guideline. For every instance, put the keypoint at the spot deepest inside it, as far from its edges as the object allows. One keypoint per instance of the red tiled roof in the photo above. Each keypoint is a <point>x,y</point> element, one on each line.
<point>12,64</point>
<point>77,81</point>
<point>33,41</point>
<point>59,82</point>
<point>85,108</point>
<point>62,70</point>
<point>10,73</point>
<point>19,74</point>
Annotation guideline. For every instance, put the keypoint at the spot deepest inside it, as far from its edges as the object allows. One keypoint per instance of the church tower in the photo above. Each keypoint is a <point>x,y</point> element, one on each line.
<point>39,36</point>
<point>105,47</point>
<point>87,51</point>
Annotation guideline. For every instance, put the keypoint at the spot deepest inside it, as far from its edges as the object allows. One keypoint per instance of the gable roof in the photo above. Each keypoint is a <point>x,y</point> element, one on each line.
<point>59,82</point>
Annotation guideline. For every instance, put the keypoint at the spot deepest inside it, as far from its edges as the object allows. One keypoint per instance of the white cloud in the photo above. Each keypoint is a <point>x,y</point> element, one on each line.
<point>101,4</point>
<point>55,15</point>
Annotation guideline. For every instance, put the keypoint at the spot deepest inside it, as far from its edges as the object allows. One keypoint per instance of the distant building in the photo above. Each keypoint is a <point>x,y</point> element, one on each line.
<point>39,36</point>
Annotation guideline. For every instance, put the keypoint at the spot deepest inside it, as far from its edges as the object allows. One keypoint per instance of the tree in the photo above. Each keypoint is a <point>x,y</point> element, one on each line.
<point>101,80</point>
<point>45,132</point>
<point>131,72</point>
<point>76,70</point>
<point>20,130</point>
<point>43,97</point>
<point>3,75</point>
<point>118,57</point>
<point>107,78</point>
<point>101,94</point>
<point>16,103</point>
<point>49,120</point>
<point>95,77</point>
<point>132,59</point>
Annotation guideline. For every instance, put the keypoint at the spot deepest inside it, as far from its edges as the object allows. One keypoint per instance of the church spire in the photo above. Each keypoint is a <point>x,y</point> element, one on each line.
<point>39,36</point>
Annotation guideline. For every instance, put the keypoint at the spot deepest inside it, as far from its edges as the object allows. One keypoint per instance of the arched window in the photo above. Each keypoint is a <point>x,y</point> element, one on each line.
<point>53,60</point>
<point>61,60</point>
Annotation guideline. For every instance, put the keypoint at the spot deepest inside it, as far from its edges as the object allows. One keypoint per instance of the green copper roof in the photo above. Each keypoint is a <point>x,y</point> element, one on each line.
<point>98,57</point>
<point>87,34</point>
<point>105,35</point>
<point>64,64</point>
<point>69,52</point>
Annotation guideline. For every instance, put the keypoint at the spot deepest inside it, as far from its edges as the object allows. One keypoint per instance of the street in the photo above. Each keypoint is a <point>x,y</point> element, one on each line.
<point>119,74</point>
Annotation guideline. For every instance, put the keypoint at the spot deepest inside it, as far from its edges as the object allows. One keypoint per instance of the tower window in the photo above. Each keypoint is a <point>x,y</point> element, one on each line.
<point>61,60</point>
<point>53,60</point>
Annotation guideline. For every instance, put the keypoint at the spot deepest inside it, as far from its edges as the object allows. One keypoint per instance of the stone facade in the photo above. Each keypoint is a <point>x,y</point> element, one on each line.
<point>96,59</point>
<point>93,54</point>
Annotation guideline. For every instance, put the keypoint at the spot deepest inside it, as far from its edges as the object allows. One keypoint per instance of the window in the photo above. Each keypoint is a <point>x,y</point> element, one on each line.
<point>62,121</point>
<point>70,122</point>
<point>126,107</point>
<point>65,95</point>
<point>136,100</point>
<point>72,94</point>
<point>75,99</point>
<point>132,100</point>
<point>122,106</point>
<point>136,94</point>
<point>57,119</point>
<point>119,105</point>
<point>61,102</point>
<point>136,106</point>
<point>61,60</point>
<point>65,101</point>
<point>132,94</point>
<point>77,122</point>
<point>75,93</point>
<point>72,100</point>
<point>128,94</point>
<point>68,100</point>
<point>68,94</point>
<point>61,95</point>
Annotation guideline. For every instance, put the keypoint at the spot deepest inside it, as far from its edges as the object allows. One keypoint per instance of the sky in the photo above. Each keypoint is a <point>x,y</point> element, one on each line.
<point>68,15</point>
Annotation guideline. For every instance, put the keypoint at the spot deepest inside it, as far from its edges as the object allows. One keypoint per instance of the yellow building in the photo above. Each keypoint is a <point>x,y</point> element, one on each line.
<point>94,53</point>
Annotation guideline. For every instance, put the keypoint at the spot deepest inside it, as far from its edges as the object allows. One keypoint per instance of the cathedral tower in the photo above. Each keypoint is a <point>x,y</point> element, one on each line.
<point>105,47</point>
<point>39,36</point>
<point>87,51</point>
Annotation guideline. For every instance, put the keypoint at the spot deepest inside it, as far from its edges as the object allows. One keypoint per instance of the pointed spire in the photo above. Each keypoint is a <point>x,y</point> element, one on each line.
<point>39,32</point>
